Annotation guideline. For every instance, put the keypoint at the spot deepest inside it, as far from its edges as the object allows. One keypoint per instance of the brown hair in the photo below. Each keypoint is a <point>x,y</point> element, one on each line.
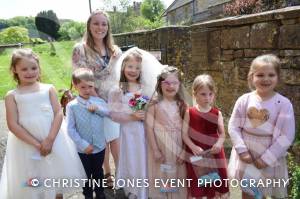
<point>82,74</point>
<point>123,81</point>
<point>261,61</point>
<point>108,39</point>
<point>179,97</point>
<point>204,80</point>
<point>20,54</point>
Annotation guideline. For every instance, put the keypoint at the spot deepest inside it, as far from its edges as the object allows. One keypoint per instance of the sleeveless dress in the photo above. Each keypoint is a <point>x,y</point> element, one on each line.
<point>22,161</point>
<point>203,131</point>
<point>167,130</point>
<point>105,79</point>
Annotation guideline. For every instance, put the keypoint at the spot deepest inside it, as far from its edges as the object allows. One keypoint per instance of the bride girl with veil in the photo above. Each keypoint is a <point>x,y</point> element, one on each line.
<point>136,71</point>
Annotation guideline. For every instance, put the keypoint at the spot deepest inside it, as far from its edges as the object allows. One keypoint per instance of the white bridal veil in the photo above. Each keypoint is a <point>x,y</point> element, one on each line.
<point>151,68</point>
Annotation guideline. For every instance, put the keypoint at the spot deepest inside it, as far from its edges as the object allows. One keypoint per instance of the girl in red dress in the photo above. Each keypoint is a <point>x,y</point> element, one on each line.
<point>203,131</point>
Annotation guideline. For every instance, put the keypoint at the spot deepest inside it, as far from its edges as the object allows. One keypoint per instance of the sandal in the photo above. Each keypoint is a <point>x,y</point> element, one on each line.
<point>110,179</point>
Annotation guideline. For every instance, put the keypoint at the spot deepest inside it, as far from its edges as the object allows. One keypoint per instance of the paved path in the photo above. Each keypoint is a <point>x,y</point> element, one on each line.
<point>3,126</point>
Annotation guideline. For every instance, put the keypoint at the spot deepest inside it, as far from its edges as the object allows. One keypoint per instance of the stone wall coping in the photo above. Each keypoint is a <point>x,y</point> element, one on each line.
<point>283,13</point>
<point>151,31</point>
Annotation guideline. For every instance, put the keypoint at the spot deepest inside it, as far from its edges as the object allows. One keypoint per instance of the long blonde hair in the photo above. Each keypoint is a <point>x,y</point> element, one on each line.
<point>261,61</point>
<point>123,80</point>
<point>108,39</point>
<point>20,54</point>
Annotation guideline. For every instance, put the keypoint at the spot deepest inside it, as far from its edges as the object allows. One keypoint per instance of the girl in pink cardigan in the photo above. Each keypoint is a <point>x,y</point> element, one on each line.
<point>262,128</point>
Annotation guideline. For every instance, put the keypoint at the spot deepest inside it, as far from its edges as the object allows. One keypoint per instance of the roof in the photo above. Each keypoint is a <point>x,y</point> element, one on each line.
<point>176,4</point>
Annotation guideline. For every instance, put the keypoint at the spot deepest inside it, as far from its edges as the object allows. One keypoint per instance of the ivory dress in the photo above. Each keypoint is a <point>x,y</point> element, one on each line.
<point>133,150</point>
<point>22,161</point>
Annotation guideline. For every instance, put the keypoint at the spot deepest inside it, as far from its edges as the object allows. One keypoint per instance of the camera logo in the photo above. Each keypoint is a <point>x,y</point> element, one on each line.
<point>33,182</point>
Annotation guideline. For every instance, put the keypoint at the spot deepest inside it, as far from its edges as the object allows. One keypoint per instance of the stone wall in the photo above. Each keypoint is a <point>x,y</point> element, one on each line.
<point>225,48</point>
<point>181,15</point>
<point>173,42</point>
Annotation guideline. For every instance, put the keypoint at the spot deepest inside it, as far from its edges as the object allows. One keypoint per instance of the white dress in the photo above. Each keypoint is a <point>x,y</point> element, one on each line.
<point>22,161</point>
<point>133,154</point>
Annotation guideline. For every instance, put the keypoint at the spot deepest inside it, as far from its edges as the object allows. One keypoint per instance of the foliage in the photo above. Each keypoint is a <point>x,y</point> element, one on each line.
<point>37,41</point>
<point>26,22</point>
<point>294,169</point>
<point>119,5</point>
<point>128,20</point>
<point>48,24</point>
<point>152,9</point>
<point>241,7</point>
<point>3,24</point>
<point>297,135</point>
<point>71,30</point>
<point>56,69</point>
<point>14,34</point>
<point>121,24</point>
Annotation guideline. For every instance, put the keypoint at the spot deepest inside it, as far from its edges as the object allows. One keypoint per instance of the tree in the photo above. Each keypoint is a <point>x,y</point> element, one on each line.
<point>3,24</point>
<point>47,24</point>
<point>14,34</point>
<point>152,9</point>
<point>71,30</point>
<point>26,22</point>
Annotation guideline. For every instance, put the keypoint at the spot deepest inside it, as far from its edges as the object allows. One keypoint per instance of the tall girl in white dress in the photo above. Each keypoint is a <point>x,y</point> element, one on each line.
<point>133,155</point>
<point>36,147</point>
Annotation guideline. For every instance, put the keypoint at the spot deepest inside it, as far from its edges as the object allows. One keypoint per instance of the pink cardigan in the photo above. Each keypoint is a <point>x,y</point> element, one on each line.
<point>282,129</point>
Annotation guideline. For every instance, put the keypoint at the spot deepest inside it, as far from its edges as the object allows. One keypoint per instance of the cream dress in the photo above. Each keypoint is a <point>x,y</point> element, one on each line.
<point>22,161</point>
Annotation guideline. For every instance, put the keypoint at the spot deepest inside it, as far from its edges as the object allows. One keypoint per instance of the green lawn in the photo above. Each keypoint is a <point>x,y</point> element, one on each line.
<point>55,69</point>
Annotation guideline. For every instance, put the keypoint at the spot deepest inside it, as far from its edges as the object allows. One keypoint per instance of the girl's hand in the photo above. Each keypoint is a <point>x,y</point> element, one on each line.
<point>216,148</point>
<point>138,115</point>
<point>38,146</point>
<point>197,150</point>
<point>92,108</point>
<point>180,159</point>
<point>246,157</point>
<point>89,149</point>
<point>46,147</point>
<point>158,156</point>
<point>260,164</point>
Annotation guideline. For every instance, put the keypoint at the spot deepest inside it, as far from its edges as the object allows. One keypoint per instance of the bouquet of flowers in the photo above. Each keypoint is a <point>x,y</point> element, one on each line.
<point>138,102</point>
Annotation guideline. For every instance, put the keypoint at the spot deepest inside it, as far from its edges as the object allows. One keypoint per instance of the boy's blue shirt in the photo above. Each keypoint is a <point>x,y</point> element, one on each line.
<point>85,127</point>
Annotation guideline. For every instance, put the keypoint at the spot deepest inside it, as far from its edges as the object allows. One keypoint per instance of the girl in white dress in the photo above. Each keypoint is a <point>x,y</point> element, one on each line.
<point>36,148</point>
<point>133,155</point>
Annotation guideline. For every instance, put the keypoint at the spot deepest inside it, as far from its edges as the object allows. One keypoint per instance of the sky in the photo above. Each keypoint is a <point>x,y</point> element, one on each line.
<point>77,10</point>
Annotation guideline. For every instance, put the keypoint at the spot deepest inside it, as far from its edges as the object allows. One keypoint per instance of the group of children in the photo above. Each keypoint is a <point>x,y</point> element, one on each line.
<point>158,142</point>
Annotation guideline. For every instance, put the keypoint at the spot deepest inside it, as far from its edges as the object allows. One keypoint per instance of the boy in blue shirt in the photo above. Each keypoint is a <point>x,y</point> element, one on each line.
<point>84,117</point>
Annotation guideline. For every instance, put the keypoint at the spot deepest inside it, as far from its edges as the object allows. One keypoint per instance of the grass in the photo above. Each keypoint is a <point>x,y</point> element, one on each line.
<point>56,69</point>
